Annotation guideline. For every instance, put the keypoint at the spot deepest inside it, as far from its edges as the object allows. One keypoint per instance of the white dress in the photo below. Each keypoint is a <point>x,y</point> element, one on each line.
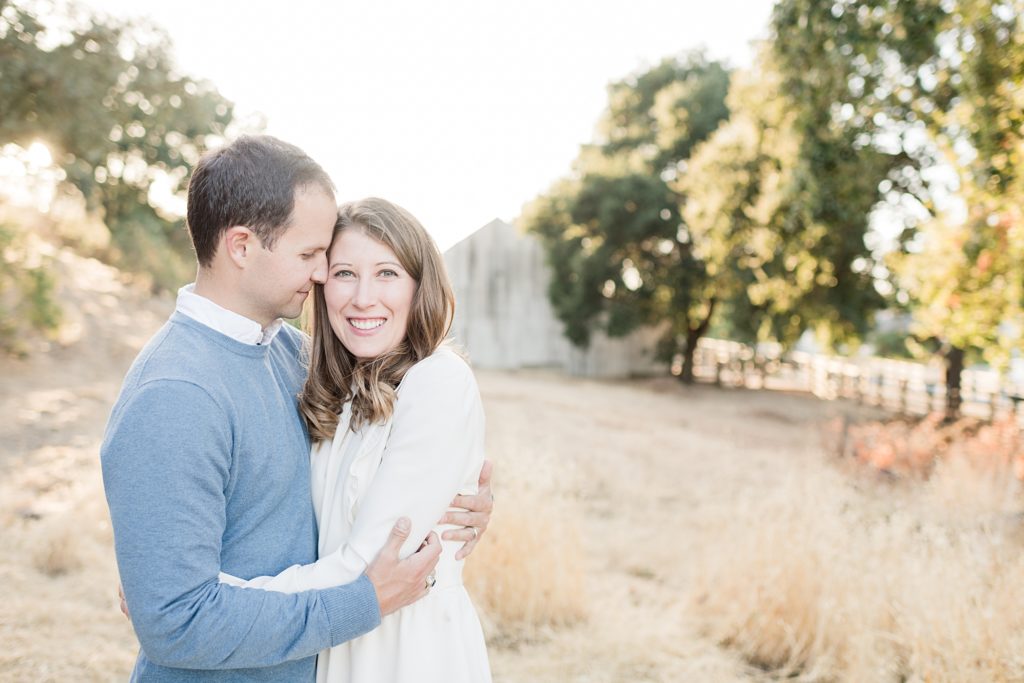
<point>412,465</point>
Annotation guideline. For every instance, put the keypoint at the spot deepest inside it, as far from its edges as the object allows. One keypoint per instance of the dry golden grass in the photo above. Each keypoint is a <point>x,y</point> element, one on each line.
<point>834,578</point>
<point>59,617</point>
<point>643,531</point>
<point>529,574</point>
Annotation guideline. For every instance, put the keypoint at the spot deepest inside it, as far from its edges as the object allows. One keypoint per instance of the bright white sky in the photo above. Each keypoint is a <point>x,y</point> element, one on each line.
<point>459,110</point>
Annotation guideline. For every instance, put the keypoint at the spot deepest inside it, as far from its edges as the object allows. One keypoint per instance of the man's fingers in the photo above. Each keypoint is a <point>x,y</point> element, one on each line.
<point>425,559</point>
<point>399,532</point>
<point>430,551</point>
<point>400,582</point>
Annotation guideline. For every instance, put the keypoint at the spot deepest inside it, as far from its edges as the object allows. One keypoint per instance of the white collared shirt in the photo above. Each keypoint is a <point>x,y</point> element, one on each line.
<point>218,318</point>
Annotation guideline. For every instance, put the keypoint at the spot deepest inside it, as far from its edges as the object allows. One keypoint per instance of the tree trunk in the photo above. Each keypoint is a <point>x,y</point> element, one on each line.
<point>954,374</point>
<point>693,335</point>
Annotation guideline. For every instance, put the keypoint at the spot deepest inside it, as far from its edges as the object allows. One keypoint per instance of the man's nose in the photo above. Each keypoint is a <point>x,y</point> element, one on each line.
<point>319,275</point>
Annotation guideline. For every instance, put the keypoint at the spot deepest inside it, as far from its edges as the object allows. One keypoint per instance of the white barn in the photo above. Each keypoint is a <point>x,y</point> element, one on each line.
<point>504,320</point>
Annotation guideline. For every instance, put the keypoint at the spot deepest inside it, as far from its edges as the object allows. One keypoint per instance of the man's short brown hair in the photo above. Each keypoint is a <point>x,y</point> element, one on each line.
<point>251,182</point>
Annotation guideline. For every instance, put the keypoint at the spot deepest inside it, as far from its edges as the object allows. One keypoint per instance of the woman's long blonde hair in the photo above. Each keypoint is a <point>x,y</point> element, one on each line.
<point>335,375</point>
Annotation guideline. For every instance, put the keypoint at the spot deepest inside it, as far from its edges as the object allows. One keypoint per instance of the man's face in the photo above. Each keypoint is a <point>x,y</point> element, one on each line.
<point>280,278</point>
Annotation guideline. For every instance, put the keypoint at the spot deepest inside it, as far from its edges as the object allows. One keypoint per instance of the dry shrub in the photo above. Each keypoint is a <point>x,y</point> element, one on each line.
<point>970,468</point>
<point>782,585</point>
<point>57,550</point>
<point>914,447</point>
<point>824,581</point>
<point>527,573</point>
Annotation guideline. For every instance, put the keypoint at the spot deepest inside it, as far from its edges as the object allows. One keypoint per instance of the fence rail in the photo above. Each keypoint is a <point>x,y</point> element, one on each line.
<point>901,386</point>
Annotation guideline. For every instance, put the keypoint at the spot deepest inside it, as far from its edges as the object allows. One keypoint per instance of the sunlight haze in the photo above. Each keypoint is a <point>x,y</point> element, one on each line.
<point>460,111</point>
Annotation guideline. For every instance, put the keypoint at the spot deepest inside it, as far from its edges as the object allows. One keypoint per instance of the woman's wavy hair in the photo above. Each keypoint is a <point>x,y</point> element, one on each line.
<point>335,375</point>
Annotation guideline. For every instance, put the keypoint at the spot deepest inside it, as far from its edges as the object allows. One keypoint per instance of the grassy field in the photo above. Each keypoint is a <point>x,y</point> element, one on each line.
<point>644,531</point>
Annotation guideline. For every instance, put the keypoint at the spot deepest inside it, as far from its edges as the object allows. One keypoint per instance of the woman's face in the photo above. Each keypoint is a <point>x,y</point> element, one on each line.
<point>368,294</point>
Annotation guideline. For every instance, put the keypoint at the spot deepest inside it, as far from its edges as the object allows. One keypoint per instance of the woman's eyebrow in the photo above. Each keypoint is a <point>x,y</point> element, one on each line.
<point>379,263</point>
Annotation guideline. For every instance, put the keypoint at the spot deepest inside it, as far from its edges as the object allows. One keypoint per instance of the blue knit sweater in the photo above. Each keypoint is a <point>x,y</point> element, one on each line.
<point>206,469</point>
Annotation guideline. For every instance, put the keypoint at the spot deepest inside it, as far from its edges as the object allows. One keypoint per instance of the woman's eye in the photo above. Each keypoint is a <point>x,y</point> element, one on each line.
<point>388,273</point>
<point>344,273</point>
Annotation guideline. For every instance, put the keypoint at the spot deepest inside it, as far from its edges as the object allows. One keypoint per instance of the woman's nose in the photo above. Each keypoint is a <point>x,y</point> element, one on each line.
<point>365,294</point>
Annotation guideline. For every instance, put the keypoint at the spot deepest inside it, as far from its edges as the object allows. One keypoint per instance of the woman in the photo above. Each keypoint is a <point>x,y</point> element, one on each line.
<point>398,429</point>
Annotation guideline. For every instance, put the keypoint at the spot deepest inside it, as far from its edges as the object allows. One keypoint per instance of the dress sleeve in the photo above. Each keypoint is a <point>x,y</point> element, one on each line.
<point>436,444</point>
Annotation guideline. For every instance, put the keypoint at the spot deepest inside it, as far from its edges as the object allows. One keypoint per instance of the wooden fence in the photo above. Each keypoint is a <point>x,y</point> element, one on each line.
<point>904,387</point>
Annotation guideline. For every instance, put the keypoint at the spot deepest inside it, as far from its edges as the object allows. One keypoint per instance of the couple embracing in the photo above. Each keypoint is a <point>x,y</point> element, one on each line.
<point>275,496</point>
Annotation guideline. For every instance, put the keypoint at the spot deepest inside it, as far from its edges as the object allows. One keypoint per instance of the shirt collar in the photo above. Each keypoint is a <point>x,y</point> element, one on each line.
<point>218,318</point>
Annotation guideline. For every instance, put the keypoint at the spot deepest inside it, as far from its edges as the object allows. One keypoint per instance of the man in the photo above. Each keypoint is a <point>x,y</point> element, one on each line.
<point>206,459</point>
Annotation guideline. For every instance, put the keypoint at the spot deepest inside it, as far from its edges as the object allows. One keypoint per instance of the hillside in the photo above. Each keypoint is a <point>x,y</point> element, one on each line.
<point>59,581</point>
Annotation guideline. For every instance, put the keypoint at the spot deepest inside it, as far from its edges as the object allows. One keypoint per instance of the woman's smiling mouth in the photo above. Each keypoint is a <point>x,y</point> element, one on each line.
<point>366,323</point>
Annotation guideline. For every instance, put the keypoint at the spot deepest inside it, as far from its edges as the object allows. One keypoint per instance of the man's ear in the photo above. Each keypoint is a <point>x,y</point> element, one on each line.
<point>238,243</point>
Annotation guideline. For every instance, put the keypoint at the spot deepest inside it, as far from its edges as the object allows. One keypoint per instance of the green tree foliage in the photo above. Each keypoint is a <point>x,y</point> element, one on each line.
<point>849,72</point>
<point>856,110</point>
<point>656,118</point>
<point>782,259</point>
<point>774,213</point>
<point>105,97</point>
<point>938,84</point>
<point>26,290</point>
<point>965,282</point>
<point>619,253</point>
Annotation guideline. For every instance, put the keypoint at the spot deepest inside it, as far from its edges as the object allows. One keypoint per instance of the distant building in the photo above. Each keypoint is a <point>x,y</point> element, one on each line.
<point>504,320</point>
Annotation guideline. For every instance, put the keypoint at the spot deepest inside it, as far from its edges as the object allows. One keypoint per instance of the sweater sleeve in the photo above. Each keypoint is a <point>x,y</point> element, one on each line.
<point>436,443</point>
<point>166,460</point>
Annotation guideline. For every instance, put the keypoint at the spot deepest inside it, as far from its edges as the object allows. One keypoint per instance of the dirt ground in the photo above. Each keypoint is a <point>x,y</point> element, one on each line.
<point>648,465</point>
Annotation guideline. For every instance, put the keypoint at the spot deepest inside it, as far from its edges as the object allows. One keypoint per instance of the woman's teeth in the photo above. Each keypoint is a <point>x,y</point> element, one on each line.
<point>366,324</point>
